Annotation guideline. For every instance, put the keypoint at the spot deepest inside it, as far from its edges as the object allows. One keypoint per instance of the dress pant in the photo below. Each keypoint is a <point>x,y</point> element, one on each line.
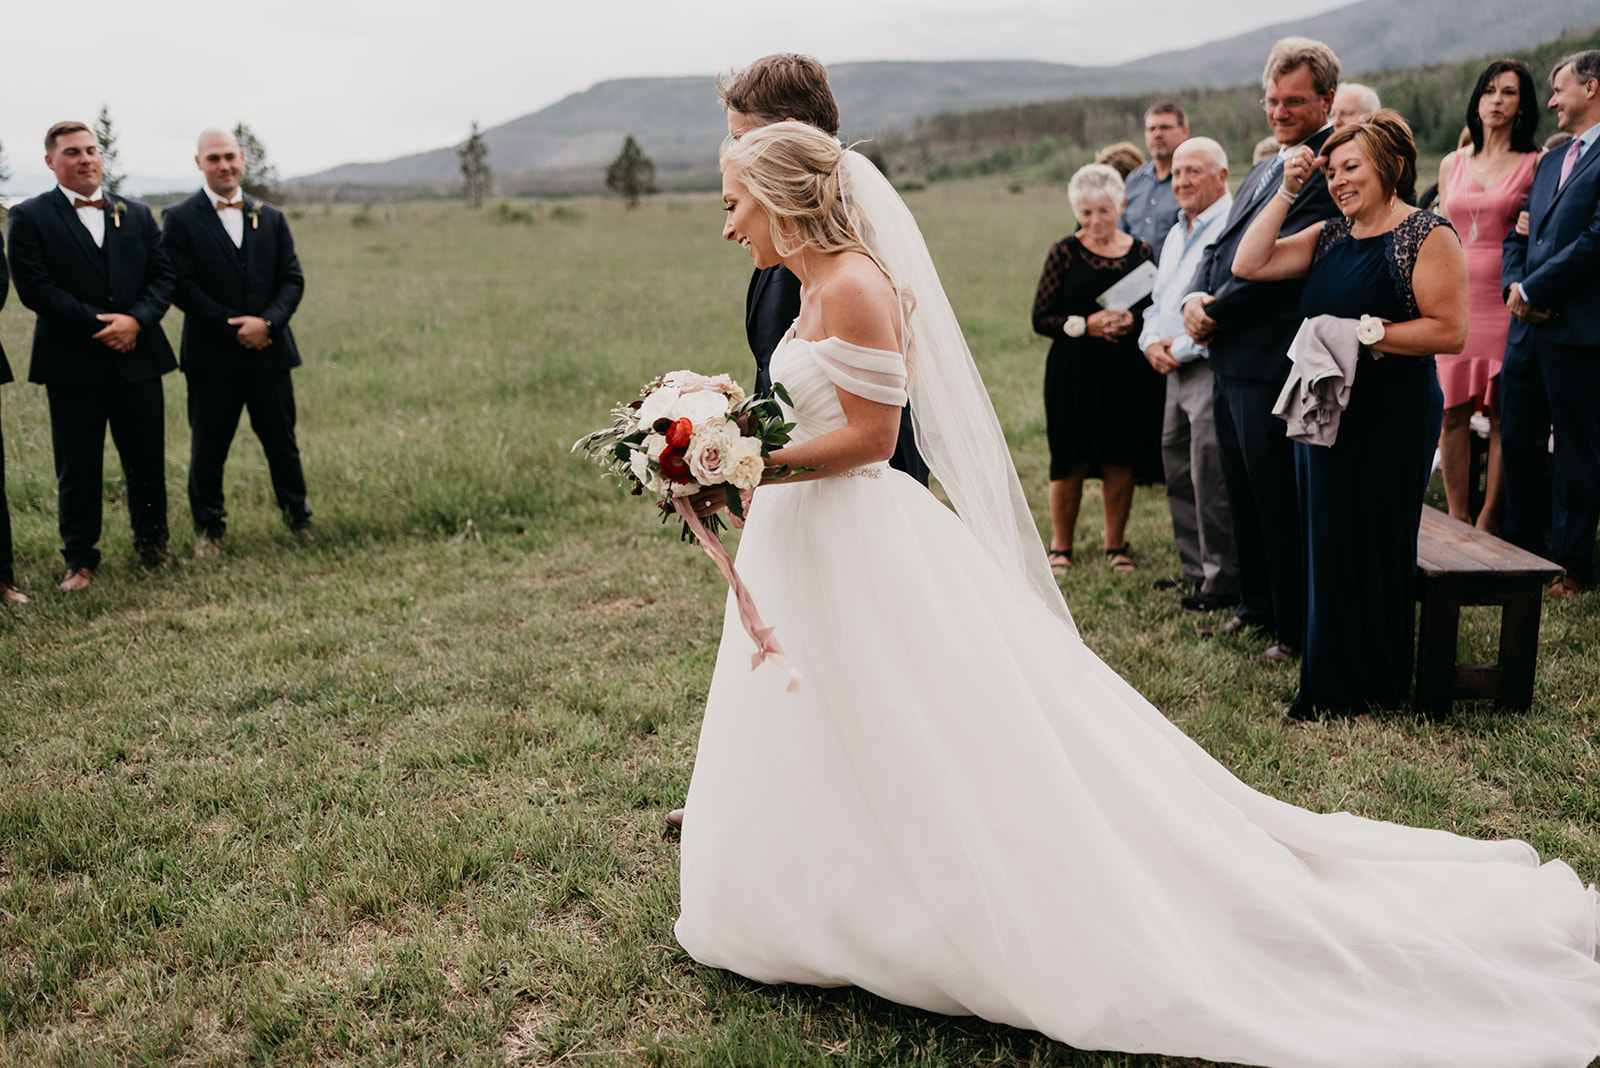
<point>7,576</point>
<point>1547,387</point>
<point>1196,493</point>
<point>79,416</point>
<point>1263,500</point>
<point>215,402</point>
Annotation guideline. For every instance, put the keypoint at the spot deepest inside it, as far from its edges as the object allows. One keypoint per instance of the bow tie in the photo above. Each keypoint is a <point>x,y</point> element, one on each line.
<point>79,202</point>
<point>224,205</point>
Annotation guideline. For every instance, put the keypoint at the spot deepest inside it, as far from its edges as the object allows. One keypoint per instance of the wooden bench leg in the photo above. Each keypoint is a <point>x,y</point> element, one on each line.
<point>1519,647</point>
<point>1436,645</point>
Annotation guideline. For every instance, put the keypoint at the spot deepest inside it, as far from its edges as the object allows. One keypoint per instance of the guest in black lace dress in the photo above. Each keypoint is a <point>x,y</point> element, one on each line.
<point>1361,497</point>
<point>1102,400</point>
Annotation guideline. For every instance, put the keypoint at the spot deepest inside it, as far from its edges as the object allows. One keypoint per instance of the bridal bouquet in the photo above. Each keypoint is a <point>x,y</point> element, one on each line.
<point>688,433</point>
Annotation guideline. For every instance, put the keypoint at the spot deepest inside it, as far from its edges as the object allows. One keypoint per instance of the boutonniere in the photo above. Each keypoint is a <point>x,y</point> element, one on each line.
<point>119,208</point>
<point>255,213</point>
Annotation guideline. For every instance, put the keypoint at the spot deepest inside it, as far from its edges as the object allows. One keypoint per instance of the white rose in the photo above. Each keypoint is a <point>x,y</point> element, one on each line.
<point>657,406</point>
<point>700,407</point>
<point>1369,331</point>
<point>743,464</point>
<point>1076,326</point>
<point>709,451</point>
<point>653,444</point>
<point>639,464</point>
<point>690,382</point>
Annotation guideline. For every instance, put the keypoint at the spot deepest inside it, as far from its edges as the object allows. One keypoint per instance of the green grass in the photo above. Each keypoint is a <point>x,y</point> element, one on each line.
<point>395,797</point>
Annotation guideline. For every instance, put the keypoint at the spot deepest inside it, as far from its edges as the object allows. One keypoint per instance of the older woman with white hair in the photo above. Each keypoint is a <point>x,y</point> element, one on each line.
<point>1102,401</point>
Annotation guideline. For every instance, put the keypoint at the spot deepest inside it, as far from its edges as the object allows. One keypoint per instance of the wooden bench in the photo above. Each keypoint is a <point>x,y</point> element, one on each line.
<point>1457,565</point>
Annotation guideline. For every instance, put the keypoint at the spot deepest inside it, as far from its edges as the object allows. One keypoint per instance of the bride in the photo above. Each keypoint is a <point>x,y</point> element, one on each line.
<point>964,810</point>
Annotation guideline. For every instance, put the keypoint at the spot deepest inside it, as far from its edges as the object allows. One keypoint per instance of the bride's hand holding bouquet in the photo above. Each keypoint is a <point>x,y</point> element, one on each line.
<point>690,437</point>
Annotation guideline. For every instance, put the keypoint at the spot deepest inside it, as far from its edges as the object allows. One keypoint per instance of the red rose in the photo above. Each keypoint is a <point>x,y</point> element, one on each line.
<point>679,433</point>
<point>673,466</point>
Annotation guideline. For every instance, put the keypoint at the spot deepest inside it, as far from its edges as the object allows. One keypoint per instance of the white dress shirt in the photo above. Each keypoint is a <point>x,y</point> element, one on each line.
<point>232,218</point>
<point>93,219</point>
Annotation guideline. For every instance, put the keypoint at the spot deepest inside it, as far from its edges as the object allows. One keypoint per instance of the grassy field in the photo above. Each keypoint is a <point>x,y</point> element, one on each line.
<point>396,797</point>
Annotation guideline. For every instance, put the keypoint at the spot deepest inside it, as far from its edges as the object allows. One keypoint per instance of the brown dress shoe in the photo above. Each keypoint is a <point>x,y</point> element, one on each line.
<point>1564,587</point>
<point>9,594</point>
<point>78,578</point>
<point>1279,653</point>
<point>207,546</point>
<point>675,819</point>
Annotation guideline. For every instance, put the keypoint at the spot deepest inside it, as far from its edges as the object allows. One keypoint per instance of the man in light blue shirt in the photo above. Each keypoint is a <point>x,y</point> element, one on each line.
<point>1150,205</point>
<point>1195,491</point>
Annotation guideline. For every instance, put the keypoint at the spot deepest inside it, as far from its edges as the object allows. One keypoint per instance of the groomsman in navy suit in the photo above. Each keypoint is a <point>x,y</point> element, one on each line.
<point>793,88</point>
<point>238,283</point>
<point>1249,326</point>
<point>9,594</point>
<point>92,265</point>
<point>1551,376</point>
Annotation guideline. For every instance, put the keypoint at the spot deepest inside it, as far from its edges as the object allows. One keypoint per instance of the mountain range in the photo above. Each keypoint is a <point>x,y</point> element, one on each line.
<point>678,123</point>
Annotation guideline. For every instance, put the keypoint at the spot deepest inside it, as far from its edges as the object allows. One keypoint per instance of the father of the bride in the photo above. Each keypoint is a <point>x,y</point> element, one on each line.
<point>786,87</point>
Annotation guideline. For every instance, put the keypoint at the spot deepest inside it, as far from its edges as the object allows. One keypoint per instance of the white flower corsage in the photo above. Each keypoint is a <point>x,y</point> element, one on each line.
<point>1369,331</point>
<point>1076,326</point>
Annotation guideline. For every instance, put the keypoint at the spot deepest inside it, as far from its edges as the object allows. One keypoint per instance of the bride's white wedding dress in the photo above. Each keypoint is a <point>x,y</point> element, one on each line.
<point>963,809</point>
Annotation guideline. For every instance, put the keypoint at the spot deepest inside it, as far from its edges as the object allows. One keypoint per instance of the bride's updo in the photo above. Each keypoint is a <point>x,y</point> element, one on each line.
<point>792,170</point>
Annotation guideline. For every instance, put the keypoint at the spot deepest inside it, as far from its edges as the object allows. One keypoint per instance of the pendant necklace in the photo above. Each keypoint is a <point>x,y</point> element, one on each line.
<point>1472,210</point>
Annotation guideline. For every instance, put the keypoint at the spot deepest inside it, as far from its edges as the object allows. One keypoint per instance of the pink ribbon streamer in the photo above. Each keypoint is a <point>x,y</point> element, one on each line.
<point>767,647</point>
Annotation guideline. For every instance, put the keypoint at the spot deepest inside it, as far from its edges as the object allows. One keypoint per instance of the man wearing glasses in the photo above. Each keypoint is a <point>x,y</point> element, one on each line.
<point>1249,326</point>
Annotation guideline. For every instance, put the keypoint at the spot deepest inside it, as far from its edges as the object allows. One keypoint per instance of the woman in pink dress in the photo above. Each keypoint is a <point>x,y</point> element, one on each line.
<point>1482,188</point>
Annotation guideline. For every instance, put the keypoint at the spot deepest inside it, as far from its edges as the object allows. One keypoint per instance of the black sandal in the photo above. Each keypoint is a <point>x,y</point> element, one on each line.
<point>1060,560</point>
<point>1121,559</point>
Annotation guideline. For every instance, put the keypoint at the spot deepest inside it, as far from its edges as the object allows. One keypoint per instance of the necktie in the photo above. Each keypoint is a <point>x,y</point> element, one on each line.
<point>1568,163</point>
<point>79,202</point>
<point>224,205</point>
<point>1273,176</point>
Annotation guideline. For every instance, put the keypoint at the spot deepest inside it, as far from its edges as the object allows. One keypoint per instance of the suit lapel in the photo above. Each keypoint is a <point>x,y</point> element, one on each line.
<point>80,233</point>
<point>754,300</point>
<point>1572,179</point>
<point>248,241</point>
<point>1245,205</point>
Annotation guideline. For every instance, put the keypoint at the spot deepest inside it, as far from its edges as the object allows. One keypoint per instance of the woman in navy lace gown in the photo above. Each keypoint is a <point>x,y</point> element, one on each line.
<point>1361,497</point>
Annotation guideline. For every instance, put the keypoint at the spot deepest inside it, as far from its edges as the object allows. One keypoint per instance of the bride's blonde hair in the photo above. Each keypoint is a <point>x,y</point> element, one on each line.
<point>792,170</point>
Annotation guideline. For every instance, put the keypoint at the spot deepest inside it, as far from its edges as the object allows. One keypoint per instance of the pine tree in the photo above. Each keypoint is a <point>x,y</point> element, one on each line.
<point>260,177</point>
<point>632,174</point>
<point>474,156</point>
<point>106,138</point>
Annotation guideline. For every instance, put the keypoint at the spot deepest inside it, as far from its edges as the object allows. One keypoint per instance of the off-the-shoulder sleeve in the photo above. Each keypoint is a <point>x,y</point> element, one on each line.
<point>874,374</point>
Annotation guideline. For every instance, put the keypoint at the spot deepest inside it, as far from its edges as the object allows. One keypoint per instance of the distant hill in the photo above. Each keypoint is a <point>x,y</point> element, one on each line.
<point>565,146</point>
<point>1045,142</point>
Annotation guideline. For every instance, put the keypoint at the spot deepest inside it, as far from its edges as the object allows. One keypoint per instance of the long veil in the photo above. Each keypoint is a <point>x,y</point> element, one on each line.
<point>957,430</point>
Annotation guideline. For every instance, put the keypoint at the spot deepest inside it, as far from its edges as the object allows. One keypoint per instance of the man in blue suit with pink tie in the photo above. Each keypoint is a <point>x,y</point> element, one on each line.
<point>1551,377</point>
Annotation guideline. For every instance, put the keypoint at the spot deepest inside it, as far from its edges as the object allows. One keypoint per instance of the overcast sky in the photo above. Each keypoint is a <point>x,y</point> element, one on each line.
<point>324,82</point>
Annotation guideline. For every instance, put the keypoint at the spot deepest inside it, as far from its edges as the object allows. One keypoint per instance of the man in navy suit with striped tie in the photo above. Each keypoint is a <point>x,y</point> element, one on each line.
<point>1551,376</point>
<point>92,265</point>
<point>1249,326</point>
